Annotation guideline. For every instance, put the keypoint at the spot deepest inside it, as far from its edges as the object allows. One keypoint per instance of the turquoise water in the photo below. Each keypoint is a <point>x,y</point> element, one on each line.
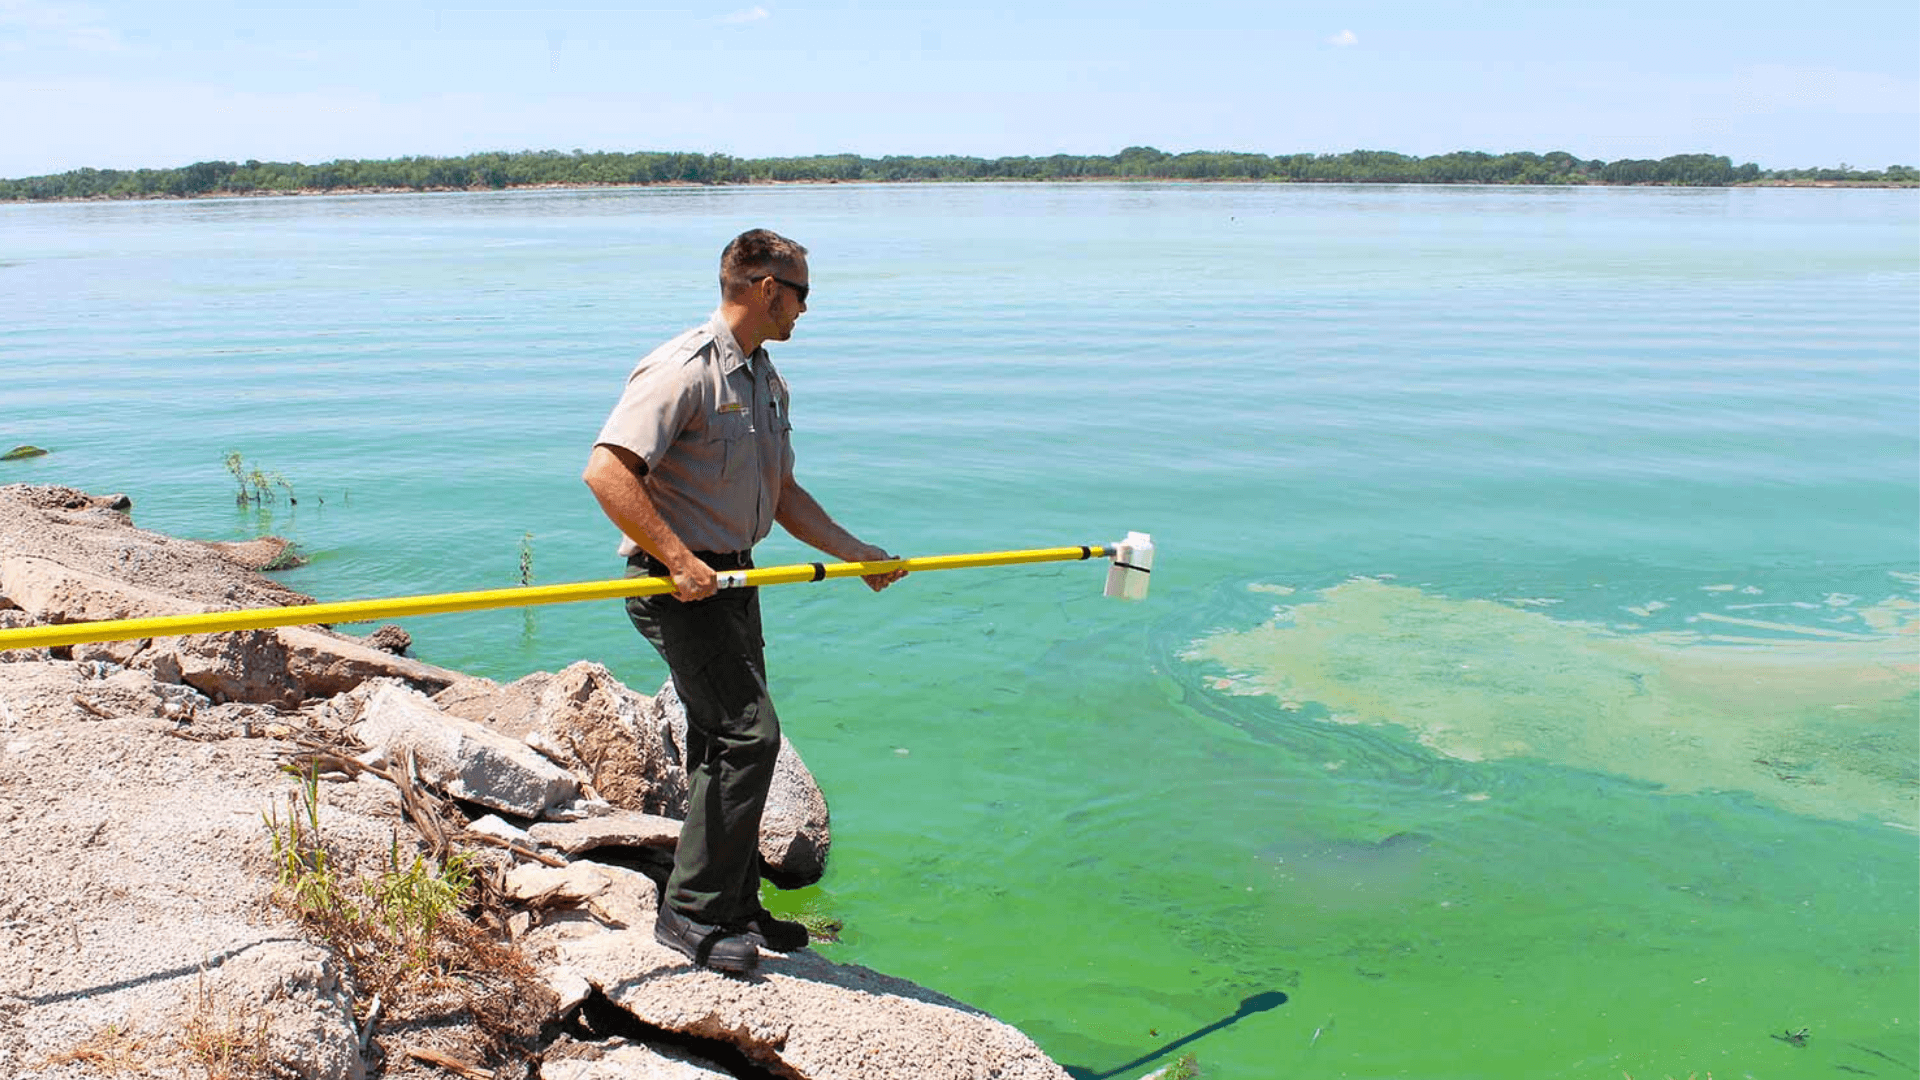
<point>1528,685</point>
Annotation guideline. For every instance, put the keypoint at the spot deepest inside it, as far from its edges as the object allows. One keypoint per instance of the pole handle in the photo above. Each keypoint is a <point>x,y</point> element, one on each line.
<point>351,611</point>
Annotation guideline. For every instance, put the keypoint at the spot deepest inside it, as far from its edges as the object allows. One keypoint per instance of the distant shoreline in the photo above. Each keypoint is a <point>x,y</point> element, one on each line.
<point>582,170</point>
<point>311,192</point>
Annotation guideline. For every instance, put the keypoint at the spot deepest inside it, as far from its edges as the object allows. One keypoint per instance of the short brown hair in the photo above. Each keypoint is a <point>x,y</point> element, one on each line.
<point>754,254</point>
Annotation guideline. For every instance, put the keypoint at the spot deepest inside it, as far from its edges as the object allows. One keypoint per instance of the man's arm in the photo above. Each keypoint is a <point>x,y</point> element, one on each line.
<point>809,523</point>
<point>613,475</point>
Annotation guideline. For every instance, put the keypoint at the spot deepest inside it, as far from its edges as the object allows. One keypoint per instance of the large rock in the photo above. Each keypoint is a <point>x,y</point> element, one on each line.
<point>133,894</point>
<point>285,1000</point>
<point>243,665</point>
<point>325,664</point>
<point>582,717</point>
<point>460,757</point>
<point>800,1016</point>
<point>86,533</point>
<point>39,591</point>
<point>629,749</point>
<point>281,666</point>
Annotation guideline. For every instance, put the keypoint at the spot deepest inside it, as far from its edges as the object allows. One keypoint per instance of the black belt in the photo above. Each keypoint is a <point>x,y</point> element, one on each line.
<point>719,560</point>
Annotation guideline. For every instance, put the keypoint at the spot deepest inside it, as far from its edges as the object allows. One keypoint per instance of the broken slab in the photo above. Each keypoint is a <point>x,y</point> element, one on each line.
<point>325,664</point>
<point>57,593</point>
<point>241,665</point>
<point>623,828</point>
<point>281,666</point>
<point>622,1060</point>
<point>459,756</point>
<point>801,1015</point>
<point>612,894</point>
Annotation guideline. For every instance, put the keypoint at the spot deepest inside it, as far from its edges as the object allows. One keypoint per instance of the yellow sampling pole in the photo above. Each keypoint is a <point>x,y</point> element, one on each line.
<point>347,611</point>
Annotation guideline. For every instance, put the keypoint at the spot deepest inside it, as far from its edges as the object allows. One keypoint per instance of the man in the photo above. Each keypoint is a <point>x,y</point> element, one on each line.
<point>695,466</point>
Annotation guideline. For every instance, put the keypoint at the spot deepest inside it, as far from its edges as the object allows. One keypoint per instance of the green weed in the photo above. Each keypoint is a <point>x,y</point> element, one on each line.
<point>414,901</point>
<point>256,485</point>
<point>304,871</point>
<point>390,923</point>
<point>1187,1068</point>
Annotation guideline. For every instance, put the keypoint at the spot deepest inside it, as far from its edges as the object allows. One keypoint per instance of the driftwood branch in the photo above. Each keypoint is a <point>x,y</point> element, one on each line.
<point>518,849</point>
<point>454,1065</point>
<point>92,708</point>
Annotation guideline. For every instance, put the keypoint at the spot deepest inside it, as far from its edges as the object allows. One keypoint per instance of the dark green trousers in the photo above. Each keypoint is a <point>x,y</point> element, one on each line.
<point>716,653</point>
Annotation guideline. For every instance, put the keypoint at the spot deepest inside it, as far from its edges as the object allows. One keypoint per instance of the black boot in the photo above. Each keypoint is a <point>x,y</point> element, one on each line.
<point>722,948</point>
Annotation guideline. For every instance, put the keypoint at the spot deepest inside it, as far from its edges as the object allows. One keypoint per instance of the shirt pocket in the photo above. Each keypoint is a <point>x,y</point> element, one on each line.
<point>730,441</point>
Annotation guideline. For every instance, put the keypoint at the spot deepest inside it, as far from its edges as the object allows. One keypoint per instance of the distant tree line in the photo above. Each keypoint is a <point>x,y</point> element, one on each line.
<point>552,167</point>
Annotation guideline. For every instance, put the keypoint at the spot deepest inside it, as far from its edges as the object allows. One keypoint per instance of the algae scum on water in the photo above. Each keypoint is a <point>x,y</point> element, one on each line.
<point>1810,718</point>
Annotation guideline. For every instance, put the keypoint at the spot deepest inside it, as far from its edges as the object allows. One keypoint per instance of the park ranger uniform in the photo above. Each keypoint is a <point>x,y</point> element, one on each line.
<point>710,425</point>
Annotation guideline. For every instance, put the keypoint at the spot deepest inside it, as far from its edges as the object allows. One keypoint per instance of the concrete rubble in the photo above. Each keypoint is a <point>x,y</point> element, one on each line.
<point>136,874</point>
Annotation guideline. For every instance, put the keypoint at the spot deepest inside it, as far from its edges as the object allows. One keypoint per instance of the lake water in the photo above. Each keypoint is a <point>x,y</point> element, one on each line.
<point>1529,682</point>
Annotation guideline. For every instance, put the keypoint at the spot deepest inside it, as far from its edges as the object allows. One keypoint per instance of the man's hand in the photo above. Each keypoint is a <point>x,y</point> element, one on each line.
<point>693,580</point>
<point>869,553</point>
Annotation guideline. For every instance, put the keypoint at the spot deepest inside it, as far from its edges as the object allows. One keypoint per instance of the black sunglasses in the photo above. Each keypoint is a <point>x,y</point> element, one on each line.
<point>799,290</point>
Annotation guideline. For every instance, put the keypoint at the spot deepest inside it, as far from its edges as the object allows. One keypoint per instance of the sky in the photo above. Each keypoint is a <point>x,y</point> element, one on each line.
<point>162,83</point>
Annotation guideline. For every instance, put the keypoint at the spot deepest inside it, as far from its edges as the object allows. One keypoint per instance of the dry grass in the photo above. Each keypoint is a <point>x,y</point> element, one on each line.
<point>216,1041</point>
<point>115,1049</point>
<point>227,1042</point>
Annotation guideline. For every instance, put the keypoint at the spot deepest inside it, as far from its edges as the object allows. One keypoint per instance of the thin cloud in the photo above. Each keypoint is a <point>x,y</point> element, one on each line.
<point>752,14</point>
<point>73,25</point>
<point>1344,39</point>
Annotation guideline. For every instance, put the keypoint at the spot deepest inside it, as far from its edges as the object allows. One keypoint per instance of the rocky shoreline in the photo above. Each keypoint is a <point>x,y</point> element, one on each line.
<point>153,924</point>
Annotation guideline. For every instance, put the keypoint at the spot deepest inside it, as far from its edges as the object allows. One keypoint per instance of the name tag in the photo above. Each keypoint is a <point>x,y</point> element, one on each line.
<point>733,406</point>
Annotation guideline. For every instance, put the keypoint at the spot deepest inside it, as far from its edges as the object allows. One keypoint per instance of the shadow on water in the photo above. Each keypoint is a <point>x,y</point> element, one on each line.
<point>1258,1003</point>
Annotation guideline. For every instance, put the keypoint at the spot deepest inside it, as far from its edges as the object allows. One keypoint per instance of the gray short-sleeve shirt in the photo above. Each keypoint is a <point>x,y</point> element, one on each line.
<point>711,425</point>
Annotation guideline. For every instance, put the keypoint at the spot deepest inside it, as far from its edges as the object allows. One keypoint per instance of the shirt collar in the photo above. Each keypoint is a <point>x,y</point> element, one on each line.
<point>730,355</point>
